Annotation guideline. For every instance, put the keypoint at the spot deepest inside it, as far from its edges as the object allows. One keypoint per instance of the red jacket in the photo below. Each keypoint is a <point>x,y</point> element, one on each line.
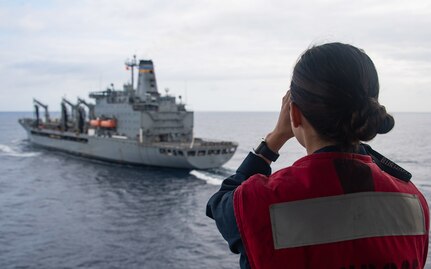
<point>332,210</point>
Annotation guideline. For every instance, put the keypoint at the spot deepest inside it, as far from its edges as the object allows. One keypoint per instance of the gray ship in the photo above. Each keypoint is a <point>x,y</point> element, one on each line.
<point>130,126</point>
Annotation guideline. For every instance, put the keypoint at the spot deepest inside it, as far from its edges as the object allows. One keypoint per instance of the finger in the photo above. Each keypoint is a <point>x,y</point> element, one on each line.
<point>286,97</point>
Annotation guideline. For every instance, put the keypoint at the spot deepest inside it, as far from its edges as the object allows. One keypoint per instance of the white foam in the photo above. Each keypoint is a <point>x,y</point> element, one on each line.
<point>6,150</point>
<point>209,179</point>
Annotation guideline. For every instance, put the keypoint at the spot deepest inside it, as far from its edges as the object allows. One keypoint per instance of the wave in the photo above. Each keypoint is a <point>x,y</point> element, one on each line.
<point>207,177</point>
<point>8,151</point>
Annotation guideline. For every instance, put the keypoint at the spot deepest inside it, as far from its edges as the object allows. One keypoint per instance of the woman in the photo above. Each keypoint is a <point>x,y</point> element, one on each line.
<point>341,206</point>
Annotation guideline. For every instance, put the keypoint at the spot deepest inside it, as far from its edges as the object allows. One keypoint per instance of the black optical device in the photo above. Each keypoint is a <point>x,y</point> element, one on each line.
<point>387,165</point>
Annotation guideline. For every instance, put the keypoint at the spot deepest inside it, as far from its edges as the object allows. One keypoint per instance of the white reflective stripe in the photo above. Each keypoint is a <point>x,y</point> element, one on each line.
<point>345,217</point>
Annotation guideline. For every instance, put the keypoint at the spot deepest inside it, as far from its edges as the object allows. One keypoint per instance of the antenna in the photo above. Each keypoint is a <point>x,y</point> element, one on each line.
<point>185,90</point>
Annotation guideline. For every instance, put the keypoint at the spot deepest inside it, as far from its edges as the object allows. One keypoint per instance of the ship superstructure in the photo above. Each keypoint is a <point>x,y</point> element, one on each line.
<point>132,125</point>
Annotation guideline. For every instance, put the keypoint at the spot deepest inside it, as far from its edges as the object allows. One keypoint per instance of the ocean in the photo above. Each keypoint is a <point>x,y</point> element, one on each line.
<point>62,211</point>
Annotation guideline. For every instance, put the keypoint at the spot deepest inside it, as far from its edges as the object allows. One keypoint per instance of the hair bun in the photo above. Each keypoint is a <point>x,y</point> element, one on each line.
<point>371,120</point>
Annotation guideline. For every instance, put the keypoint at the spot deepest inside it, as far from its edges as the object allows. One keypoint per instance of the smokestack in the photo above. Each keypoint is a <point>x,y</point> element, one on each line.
<point>147,79</point>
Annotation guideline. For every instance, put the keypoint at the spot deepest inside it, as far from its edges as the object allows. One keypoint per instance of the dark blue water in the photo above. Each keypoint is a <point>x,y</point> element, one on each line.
<point>60,211</point>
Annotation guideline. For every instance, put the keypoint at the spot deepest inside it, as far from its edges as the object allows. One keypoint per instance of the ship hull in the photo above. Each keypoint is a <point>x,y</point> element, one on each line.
<point>128,151</point>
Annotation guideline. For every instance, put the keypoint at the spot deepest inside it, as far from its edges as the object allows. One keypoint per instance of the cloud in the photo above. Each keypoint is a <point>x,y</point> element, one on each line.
<point>239,49</point>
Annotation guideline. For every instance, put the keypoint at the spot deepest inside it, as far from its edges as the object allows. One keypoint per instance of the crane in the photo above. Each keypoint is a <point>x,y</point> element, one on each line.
<point>78,115</point>
<point>37,104</point>
<point>72,106</point>
<point>91,114</point>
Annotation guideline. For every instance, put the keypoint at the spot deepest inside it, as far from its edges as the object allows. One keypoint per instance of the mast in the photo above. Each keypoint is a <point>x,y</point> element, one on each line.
<point>131,64</point>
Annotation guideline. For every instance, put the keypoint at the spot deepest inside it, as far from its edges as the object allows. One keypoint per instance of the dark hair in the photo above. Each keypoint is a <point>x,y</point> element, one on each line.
<point>336,87</point>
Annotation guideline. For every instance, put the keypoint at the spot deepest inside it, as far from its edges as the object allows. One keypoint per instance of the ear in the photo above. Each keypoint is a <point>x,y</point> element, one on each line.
<point>295,115</point>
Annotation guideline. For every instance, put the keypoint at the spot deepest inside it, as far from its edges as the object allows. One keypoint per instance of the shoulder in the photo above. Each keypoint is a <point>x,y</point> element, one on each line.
<point>312,175</point>
<point>260,181</point>
<point>288,176</point>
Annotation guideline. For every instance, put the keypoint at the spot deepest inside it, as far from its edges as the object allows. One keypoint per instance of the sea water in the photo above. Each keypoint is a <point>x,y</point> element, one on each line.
<point>62,211</point>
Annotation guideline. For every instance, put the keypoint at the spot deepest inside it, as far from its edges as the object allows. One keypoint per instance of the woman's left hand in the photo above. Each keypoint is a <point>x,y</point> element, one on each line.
<point>283,129</point>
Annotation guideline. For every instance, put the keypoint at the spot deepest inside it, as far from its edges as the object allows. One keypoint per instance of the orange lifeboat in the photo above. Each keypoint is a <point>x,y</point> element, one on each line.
<point>111,123</point>
<point>95,123</point>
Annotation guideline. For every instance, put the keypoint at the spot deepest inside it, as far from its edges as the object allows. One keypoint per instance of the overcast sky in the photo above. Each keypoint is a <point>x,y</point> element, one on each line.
<point>219,55</point>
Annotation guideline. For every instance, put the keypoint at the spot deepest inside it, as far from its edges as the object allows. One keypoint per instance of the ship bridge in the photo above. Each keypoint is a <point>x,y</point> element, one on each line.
<point>142,112</point>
